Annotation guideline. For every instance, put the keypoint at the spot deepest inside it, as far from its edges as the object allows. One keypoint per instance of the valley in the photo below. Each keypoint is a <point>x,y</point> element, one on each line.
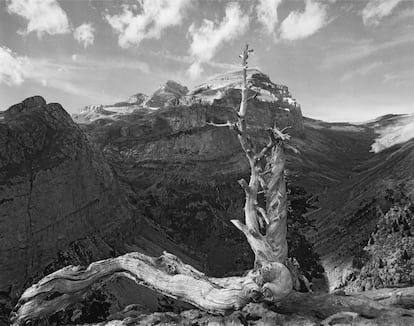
<point>152,173</point>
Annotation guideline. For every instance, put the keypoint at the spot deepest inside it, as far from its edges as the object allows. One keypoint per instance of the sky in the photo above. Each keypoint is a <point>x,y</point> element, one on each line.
<point>343,60</point>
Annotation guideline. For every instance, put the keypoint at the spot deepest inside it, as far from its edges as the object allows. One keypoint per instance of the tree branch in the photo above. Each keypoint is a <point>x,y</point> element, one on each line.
<point>227,124</point>
<point>245,186</point>
<point>262,214</point>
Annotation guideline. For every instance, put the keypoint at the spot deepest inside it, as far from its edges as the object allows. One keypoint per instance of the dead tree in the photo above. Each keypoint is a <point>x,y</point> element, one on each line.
<point>264,226</point>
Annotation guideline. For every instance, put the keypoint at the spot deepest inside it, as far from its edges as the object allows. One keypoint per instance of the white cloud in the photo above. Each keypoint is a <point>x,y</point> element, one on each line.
<point>399,132</point>
<point>62,74</point>
<point>361,71</point>
<point>267,14</point>
<point>43,16</point>
<point>12,67</point>
<point>351,50</point>
<point>209,37</point>
<point>154,16</point>
<point>299,25</point>
<point>195,70</point>
<point>84,34</point>
<point>375,10</point>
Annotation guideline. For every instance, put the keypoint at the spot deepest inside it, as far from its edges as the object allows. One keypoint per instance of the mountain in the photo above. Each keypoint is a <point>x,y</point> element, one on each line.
<point>166,94</point>
<point>372,206</point>
<point>183,172</point>
<point>152,173</point>
<point>60,201</point>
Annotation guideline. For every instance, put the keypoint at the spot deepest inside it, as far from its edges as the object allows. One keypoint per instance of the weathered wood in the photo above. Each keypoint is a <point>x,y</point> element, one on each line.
<point>166,274</point>
<point>170,276</point>
<point>265,228</point>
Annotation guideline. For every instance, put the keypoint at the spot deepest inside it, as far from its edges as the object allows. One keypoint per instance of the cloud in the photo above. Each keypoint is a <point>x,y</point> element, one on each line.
<point>65,74</point>
<point>267,14</point>
<point>84,34</point>
<point>399,79</point>
<point>361,71</point>
<point>210,36</point>
<point>43,16</point>
<point>155,16</point>
<point>187,59</point>
<point>399,132</point>
<point>12,67</point>
<point>351,51</point>
<point>195,70</point>
<point>375,10</point>
<point>299,25</point>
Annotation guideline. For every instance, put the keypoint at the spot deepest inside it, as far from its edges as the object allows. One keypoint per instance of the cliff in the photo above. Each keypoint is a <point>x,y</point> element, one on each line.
<point>60,202</point>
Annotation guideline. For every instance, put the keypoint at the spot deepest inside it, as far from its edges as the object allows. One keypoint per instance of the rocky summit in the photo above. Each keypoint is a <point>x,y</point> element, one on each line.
<point>155,173</point>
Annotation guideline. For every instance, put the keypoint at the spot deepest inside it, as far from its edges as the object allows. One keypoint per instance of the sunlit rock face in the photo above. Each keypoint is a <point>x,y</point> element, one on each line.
<point>225,89</point>
<point>166,95</point>
<point>218,96</point>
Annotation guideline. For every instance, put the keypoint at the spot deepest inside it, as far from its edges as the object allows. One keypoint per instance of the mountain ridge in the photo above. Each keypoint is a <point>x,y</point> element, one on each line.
<point>176,177</point>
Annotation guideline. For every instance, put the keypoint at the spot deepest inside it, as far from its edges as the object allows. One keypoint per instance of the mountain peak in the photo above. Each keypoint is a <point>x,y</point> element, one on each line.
<point>167,94</point>
<point>259,83</point>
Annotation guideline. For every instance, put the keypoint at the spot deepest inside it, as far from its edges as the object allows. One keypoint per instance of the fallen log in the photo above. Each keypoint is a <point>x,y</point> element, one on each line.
<point>166,274</point>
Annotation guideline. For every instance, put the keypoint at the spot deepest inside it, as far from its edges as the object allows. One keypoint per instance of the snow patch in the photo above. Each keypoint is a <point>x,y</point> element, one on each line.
<point>397,133</point>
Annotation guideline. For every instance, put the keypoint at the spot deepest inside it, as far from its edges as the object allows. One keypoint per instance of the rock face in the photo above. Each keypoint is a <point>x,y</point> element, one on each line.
<point>60,202</point>
<point>53,188</point>
<point>168,94</point>
<point>225,89</point>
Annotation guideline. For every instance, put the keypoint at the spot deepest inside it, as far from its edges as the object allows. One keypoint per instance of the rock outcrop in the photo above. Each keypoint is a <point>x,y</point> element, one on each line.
<point>167,95</point>
<point>60,202</point>
<point>54,188</point>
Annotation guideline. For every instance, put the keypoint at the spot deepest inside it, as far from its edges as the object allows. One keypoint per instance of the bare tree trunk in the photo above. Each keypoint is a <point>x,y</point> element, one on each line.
<point>265,227</point>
